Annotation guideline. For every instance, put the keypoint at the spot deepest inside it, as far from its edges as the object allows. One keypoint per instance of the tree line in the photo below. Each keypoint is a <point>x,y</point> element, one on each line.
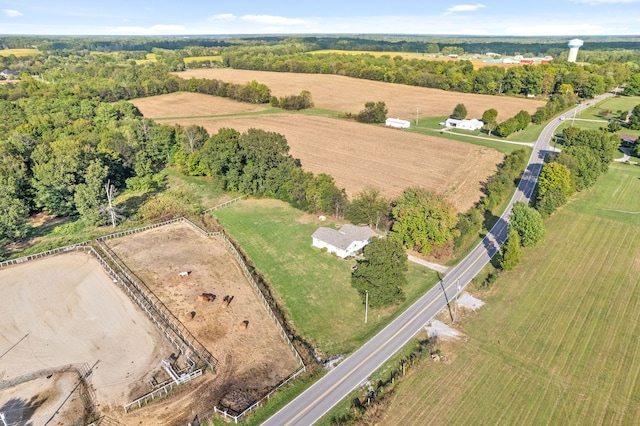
<point>546,79</point>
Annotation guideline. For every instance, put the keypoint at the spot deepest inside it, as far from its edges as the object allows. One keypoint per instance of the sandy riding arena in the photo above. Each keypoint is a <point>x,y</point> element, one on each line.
<point>201,283</point>
<point>63,314</point>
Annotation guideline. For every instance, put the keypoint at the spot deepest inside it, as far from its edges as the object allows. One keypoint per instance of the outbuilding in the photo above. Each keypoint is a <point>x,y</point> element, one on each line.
<point>398,123</point>
<point>473,124</point>
<point>347,241</point>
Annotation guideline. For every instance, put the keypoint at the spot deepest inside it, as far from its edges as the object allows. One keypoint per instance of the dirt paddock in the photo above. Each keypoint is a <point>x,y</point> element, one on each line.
<point>239,332</point>
<point>63,310</point>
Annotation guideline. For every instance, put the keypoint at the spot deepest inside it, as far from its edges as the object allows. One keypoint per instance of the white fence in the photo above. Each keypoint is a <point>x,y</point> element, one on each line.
<point>152,307</point>
<point>145,399</point>
<point>42,254</point>
<point>157,311</point>
<point>235,419</point>
<point>249,276</point>
<point>219,206</point>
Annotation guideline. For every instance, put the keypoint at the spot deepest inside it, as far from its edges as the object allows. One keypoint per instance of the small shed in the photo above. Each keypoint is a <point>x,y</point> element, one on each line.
<point>473,124</point>
<point>398,123</point>
<point>347,241</point>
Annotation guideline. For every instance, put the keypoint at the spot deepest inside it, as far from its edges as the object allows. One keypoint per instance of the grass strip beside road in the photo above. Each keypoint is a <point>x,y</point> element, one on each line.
<point>557,342</point>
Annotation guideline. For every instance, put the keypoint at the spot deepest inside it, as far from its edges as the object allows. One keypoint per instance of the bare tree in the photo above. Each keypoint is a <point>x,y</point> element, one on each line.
<point>111,210</point>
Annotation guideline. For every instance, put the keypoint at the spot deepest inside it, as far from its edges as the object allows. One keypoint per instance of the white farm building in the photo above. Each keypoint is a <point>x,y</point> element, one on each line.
<point>349,240</point>
<point>396,122</point>
<point>473,124</point>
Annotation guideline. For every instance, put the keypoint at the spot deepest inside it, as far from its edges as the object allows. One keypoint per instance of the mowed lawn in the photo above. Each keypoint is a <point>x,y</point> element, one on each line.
<point>313,286</point>
<point>559,340</point>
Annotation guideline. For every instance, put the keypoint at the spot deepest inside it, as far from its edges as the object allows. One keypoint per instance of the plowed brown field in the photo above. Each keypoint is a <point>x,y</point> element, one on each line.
<point>346,94</point>
<point>184,104</point>
<point>359,155</point>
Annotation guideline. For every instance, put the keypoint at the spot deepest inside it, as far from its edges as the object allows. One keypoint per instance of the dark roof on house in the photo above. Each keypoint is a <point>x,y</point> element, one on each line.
<point>343,237</point>
<point>7,71</point>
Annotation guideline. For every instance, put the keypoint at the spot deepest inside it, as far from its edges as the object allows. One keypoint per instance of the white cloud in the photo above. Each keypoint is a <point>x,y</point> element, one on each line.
<point>464,8</point>
<point>152,30</point>
<point>273,20</point>
<point>222,17</point>
<point>12,13</point>
<point>596,2</point>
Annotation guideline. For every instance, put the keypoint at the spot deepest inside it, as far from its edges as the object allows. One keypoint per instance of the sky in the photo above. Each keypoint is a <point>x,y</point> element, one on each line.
<point>232,17</point>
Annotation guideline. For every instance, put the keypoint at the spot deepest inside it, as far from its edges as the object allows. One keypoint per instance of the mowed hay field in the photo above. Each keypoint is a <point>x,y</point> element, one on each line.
<point>185,104</point>
<point>359,155</point>
<point>346,94</point>
<point>559,340</point>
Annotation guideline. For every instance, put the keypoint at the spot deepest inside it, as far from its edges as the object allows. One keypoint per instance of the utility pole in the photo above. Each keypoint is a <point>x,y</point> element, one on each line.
<point>455,306</point>
<point>366,305</point>
<point>417,115</point>
<point>4,420</point>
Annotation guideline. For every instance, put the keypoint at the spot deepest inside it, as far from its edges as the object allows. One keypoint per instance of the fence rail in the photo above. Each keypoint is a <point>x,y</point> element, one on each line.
<point>160,315</point>
<point>161,391</point>
<point>249,276</point>
<point>78,368</point>
<point>42,254</point>
<point>136,230</point>
<point>219,206</point>
<point>257,404</point>
<point>158,311</point>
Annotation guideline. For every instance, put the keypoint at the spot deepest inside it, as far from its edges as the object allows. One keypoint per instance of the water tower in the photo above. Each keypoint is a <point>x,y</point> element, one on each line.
<point>574,45</point>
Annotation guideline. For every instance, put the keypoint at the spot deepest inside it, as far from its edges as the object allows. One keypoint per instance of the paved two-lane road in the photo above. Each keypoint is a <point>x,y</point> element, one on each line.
<point>312,404</point>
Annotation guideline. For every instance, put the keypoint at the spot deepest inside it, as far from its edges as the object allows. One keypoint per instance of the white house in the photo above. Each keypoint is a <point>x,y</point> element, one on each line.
<point>396,122</point>
<point>349,240</point>
<point>473,124</point>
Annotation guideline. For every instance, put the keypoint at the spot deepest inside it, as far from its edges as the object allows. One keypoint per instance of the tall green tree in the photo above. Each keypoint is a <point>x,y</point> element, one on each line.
<point>523,118</point>
<point>424,220</point>
<point>459,112</point>
<point>554,187</point>
<point>382,272</point>
<point>511,253</point>
<point>370,207</point>
<point>56,171</point>
<point>373,112</point>
<point>90,196</point>
<point>262,151</point>
<point>528,223</point>
<point>489,119</point>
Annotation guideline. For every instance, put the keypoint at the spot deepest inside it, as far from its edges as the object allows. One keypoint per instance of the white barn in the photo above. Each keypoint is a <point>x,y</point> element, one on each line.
<point>349,240</point>
<point>396,122</point>
<point>473,124</point>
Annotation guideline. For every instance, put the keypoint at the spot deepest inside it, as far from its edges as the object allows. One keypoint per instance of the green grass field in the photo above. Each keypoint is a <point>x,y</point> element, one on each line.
<point>19,52</point>
<point>616,103</point>
<point>431,126</point>
<point>313,286</point>
<point>558,341</point>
